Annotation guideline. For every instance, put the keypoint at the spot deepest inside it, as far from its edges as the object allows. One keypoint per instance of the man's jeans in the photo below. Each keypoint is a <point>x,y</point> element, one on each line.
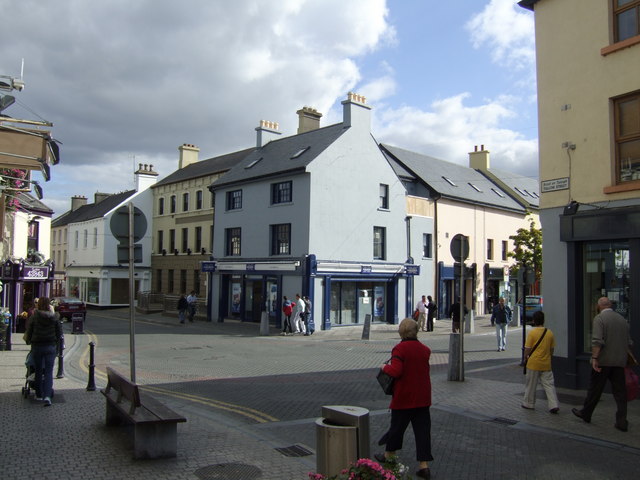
<point>501,334</point>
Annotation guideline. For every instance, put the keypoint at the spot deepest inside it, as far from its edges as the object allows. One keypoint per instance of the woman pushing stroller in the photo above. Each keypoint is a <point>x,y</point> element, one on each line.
<point>43,334</point>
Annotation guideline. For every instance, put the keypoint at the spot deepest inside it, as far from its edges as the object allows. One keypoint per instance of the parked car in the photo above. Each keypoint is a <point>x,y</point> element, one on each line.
<point>532,304</point>
<point>67,306</point>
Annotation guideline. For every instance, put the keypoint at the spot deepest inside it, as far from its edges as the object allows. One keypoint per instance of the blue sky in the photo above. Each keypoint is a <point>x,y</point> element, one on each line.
<point>127,83</point>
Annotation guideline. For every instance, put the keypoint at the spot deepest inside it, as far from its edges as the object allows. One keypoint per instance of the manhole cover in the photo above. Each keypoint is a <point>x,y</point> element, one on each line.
<point>228,471</point>
<point>294,451</point>
<point>504,421</point>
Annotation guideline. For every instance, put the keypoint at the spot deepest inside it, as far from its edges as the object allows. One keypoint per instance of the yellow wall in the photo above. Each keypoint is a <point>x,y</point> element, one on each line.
<point>573,71</point>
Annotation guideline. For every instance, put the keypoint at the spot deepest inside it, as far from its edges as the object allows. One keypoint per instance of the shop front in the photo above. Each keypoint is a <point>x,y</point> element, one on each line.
<point>602,261</point>
<point>22,284</point>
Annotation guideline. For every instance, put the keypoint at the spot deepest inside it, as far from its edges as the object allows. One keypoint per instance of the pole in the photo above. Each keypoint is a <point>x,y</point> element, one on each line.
<point>91,385</point>
<point>132,293</point>
<point>523,317</point>
<point>461,362</point>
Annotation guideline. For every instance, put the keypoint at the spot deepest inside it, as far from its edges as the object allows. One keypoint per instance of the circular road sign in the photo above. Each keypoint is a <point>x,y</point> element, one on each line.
<point>460,247</point>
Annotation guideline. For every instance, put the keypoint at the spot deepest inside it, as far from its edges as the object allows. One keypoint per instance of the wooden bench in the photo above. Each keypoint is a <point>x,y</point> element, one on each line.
<point>154,424</point>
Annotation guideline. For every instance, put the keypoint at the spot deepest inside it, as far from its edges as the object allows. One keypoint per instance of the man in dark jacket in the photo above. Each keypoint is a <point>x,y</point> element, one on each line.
<point>43,334</point>
<point>500,317</point>
<point>454,313</point>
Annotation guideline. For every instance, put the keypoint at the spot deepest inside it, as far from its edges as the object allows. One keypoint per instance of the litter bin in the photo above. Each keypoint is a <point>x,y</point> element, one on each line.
<point>77,322</point>
<point>342,437</point>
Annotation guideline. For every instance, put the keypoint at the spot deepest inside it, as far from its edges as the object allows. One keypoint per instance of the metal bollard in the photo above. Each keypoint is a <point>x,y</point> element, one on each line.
<point>91,386</point>
<point>61,346</point>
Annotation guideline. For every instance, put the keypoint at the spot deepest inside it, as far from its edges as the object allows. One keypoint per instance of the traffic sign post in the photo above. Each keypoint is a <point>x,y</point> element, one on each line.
<point>459,248</point>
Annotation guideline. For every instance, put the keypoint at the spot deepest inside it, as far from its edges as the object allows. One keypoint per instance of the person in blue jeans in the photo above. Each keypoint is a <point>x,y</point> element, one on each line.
<point>43,334</point>
<point>501,316</point>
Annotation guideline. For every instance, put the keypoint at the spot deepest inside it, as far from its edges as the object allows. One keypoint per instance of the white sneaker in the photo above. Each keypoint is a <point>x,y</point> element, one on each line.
<point>47,402</point>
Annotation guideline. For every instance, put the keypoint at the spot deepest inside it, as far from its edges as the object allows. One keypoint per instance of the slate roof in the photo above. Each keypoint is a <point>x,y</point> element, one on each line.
<point>526,188</point>
<point>284,155</point>
<point>92,210</point>
<point>450,180</point>
<point>202,168</point>
<point>31,203</point>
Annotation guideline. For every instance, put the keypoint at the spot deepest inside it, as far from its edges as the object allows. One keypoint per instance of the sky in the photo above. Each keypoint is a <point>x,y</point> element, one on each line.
<point>126,83</point>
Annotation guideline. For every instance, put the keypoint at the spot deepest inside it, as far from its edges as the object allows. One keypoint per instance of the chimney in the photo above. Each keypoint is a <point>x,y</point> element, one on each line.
<point>98,197</point>
<point>308,119</point>
<point>479,159</point>
<point>145,177</point>
<point>356,112</point>
<point>78,201</point>
<point>188,155</point>
<point>266,132</point>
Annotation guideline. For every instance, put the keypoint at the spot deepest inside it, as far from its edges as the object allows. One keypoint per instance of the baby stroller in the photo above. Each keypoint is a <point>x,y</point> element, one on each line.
<point>30,377</point>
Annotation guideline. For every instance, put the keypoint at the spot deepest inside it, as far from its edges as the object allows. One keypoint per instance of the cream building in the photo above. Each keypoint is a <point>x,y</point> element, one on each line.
<point>588,71</point>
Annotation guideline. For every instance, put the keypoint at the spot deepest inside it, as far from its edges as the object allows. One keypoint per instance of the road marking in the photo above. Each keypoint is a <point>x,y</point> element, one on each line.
<point>247,412</point>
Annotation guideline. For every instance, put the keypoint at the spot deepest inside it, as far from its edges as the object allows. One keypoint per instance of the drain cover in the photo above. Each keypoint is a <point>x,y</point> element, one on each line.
<point>504,421</point>
<point>294,451</point>
<point>228,471</point>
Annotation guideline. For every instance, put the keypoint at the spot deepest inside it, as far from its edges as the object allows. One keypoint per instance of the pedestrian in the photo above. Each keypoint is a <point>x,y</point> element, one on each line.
<point>287,309</point>
<point>538,350</point>
<point>454,313</point>
<point>298,322</point>
<point>432,308</point>
<point>183,305</point>
<point>610,346</point>
<point>501,316</point>
<point>192,302</point>
<point>44,335</point>
<point>409,366</point>
<point>421,308</point>
<point>307,316</point>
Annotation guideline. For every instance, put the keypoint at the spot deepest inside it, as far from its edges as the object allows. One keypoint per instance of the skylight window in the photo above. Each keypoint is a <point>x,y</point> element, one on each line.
<point>299,152</point>
<point>520,191</point>
<point>450,182</point>
<point>474,187</point>
<point>253,163</point>
<point>497,192</point>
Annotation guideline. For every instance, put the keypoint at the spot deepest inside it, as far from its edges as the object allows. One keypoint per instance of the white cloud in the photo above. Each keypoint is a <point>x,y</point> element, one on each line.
<point>449,129</point>
<point>508,31</point>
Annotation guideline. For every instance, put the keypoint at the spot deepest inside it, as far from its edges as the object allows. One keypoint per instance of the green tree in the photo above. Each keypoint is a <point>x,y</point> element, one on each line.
<point>527,249</point>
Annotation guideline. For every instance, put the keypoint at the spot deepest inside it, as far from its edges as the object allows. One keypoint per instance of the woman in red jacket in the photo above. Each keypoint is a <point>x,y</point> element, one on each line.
<point>411,399</point>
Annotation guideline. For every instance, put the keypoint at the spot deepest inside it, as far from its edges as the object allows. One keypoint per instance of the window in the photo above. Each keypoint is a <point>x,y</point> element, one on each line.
<point>199,200</point>
<point>626,18</point>
<point>384,196</point>
<point>85,240</point>
<point>379,234</point>
<point>234,200</point>
<point>505,249</point>
<point>490,249</point>
<point>185,202</point>
<point>160,241</point>
<point>158,281</point>
<point>281,239</point>
<point>76,239</point>
<point>211,238</point>
<point>171,284</point>
<point>185,240</point>
<point>232,241</point>
<point>183,281</point>
<point>281,193</point>
<point>172,240</point>
<point>161,206</point>
<point>172,206</point>
<point>196,281</point>
<point>95,237</point>
<point>427,245</point>
<point>198,244</point>
<point>627,132</point>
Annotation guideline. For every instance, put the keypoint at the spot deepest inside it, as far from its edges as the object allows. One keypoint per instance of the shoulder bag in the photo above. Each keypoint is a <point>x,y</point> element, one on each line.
<point>385,380</point>
<point>524,370</point>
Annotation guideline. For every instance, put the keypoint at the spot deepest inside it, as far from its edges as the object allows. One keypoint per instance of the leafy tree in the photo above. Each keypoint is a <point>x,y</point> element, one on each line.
<point>527,249</point>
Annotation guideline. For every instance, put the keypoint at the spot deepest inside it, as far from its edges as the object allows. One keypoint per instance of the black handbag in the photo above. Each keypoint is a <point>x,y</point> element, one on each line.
<point>386,381</point>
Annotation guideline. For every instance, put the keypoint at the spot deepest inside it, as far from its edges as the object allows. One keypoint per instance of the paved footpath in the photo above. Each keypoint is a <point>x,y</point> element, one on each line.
<point>479,431</point>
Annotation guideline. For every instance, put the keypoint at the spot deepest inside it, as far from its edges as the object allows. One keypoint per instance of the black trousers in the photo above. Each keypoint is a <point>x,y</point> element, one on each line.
<point>618,387</point>
<point>420,419</point>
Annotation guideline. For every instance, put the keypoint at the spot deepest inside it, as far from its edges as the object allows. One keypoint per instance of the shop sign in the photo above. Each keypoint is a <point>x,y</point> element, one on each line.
<point>35,273</point>
<point>412,269</point>
<point>365,269</point>
<point>251,267</point>
<point>207,267</point>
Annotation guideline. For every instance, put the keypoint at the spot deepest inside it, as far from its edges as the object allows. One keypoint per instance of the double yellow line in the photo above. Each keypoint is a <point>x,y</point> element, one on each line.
<point>250,413</point>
